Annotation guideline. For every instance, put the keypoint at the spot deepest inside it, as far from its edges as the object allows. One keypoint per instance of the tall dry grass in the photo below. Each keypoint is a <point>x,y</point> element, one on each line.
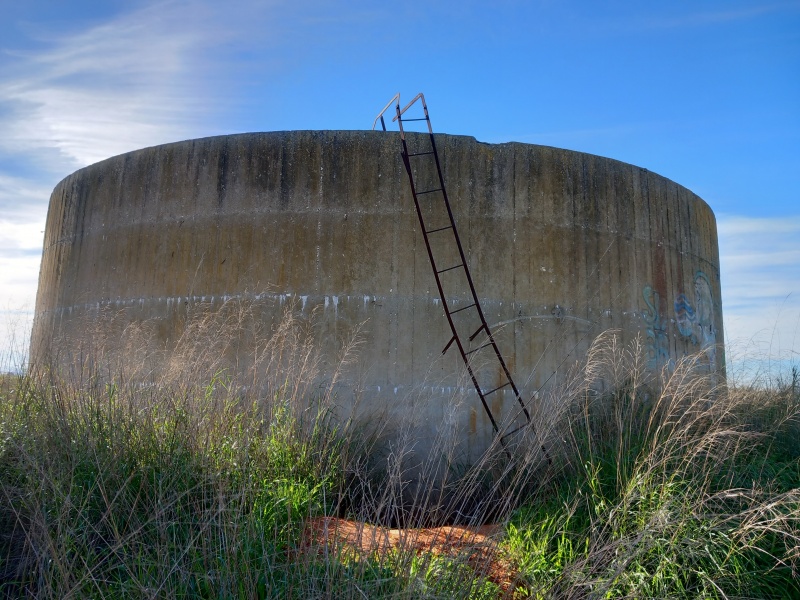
<point>192,474</point>
<point>673,485</point>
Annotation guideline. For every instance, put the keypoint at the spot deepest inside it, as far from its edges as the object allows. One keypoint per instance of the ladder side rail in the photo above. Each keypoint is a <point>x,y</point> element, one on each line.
<point>399,117</point>
<point>439,286</point>
<point>456,338</point>
<point>475,299</point>
<point>396,98</point>
<point>484,325</point>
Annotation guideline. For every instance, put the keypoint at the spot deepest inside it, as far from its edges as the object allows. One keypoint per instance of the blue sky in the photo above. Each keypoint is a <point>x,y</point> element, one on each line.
<point>705,93</point>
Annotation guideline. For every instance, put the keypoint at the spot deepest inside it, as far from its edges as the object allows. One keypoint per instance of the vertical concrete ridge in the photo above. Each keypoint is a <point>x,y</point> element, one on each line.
<point>562,246</point>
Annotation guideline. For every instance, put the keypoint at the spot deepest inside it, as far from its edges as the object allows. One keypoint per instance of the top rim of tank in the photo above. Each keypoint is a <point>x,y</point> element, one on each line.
<point>364,132</point>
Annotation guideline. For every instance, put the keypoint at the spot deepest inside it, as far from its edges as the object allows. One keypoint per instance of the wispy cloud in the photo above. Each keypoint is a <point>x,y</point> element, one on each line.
<point>20,255</point>
<point>129,83</point>
<point>23,207</point>
<point>165,71</point>
<point>138,80</point>
<point>22,200</point>
<point>171,70</point>
<point>760,261</point>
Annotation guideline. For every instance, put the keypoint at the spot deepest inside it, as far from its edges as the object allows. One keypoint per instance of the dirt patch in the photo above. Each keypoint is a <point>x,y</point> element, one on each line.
<point>477,546</point>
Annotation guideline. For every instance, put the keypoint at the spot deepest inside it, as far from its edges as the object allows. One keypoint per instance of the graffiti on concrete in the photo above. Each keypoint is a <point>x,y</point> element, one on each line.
<point>685,317</point>
<point>694,320</point>
<point>697,322</point>
<point>657,341</point>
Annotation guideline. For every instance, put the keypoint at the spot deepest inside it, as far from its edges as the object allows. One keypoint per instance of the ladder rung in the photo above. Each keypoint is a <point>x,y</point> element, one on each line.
<point>499,387</point>
<point>462,308</point>
<point>478,348</point>
<point>513,431</point>
<point>477,331</point>
<point>450,268</point>
<point>488,340</point>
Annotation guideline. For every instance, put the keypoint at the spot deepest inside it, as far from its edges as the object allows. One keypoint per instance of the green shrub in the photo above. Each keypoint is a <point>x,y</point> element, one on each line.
<point>658,487</point>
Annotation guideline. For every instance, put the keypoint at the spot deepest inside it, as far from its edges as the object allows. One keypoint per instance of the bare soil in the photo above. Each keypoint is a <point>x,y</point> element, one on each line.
<point>477,546</point>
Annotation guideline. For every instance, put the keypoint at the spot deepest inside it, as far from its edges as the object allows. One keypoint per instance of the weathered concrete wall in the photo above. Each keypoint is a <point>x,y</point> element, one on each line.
<point>562,246</point>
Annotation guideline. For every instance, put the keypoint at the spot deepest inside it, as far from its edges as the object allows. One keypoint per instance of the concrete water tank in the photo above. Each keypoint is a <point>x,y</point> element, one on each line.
<point>562,246</point>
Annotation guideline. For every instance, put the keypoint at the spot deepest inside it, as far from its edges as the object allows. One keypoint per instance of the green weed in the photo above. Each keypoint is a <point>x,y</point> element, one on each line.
<point>201,486</point>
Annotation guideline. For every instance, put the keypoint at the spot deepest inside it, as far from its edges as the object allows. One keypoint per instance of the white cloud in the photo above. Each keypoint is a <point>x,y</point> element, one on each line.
<point>157,74</point>
<point>760,262</point>
<point>165,72</point>
<point>738,225</point>
<point>22,200</point>
<point>23,206</point>
<point>139,80</point>
<point>129,83</point>
<point>22,217</point>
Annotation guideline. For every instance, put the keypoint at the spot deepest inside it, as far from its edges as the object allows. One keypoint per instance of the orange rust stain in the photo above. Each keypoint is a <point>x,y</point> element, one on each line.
<point>477,544</point>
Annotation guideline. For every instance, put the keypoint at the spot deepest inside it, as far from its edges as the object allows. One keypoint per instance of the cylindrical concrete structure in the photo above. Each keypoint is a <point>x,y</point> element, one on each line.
<point>561,245</point>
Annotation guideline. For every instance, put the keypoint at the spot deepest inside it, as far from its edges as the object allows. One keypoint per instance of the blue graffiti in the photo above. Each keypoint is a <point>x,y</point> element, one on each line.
<point>697,322</point>
<point>685,317</point>
<point>656,332</point>
<point>694,320</point>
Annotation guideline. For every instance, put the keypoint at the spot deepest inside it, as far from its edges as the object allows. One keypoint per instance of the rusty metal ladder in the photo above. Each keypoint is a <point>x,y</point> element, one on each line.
<point>471,333</point>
